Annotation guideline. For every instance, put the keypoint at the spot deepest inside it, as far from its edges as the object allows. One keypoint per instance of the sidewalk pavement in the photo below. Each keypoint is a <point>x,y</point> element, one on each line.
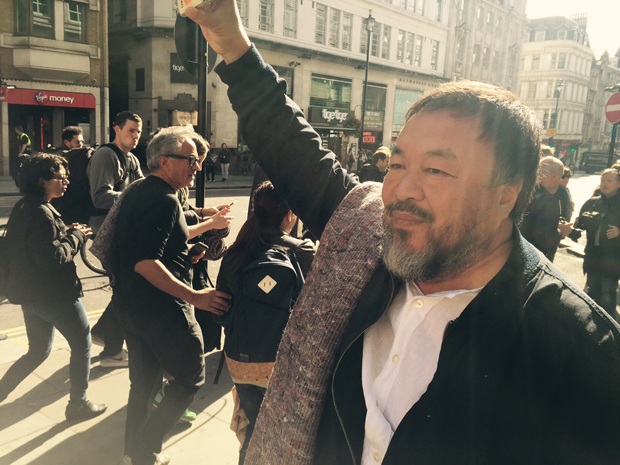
<point>33,429</point>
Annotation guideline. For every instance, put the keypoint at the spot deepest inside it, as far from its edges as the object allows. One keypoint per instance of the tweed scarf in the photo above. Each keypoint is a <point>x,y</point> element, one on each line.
<point>347,257</point>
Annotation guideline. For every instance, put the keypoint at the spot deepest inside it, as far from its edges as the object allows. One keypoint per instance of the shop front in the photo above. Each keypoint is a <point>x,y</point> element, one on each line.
<point>43,114</point>
<point>333,126</point>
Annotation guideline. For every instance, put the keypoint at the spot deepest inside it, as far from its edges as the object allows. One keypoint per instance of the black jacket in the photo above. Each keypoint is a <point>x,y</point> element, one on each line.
<point>540,222</point>
<point>370,172</point>
<point>41,253</point>
<point>606,255</point>
<point>528,374</point>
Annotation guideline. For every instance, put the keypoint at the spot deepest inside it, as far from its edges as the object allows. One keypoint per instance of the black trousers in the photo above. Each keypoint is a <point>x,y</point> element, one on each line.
<point>109,328</point>
<point>170,341</point>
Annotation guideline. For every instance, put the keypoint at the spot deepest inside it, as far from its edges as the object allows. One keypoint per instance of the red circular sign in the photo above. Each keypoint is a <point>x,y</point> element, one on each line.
<point>612,109</point>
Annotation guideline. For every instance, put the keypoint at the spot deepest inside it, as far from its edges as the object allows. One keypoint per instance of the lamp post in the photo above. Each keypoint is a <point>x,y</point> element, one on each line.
<point>558,91</point>
<point>370,24</point>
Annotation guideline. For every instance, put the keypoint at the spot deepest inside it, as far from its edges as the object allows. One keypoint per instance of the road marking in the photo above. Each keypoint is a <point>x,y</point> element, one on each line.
<point>19,330</point>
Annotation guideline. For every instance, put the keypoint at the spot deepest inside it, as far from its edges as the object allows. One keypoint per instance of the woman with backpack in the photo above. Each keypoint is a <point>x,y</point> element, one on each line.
<point>42,278</point>
<point>264,271</point>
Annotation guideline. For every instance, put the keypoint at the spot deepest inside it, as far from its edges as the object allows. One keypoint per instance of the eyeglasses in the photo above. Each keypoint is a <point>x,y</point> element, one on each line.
<point>61,177</point>
<point>192,160</point>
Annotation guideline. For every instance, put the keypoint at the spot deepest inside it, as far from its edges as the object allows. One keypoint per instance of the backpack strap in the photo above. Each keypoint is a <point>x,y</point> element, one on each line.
<point>292,244</point>
<point>122,159</point>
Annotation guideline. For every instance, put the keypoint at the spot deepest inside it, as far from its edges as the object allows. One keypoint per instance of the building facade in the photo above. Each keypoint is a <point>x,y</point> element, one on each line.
<point>555,74</point>
<point>319,48</point>
<point>53,72</point>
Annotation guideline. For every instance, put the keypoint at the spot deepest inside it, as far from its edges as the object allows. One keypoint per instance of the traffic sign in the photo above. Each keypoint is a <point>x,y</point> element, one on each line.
<point>612,109</point>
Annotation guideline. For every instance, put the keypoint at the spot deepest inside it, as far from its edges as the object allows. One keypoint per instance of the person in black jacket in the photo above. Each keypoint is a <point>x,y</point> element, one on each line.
<point>42,278</point>
<point>224,157</point>
<point>376,170</point>
<point>600,218</point>
<point>527,369</point>
<point>270,222</point>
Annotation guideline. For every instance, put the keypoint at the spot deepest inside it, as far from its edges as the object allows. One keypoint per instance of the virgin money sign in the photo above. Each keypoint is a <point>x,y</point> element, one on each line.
<point>51,98</point>
<point>331,117</point>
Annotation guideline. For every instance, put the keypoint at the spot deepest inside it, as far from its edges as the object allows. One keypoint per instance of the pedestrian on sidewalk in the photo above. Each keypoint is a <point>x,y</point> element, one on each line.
<point>153,298</point>
<point>224,157</point>
<point>43,280</point>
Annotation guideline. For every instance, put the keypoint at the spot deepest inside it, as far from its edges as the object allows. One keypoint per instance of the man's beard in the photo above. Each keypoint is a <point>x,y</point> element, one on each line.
<point>448,251</point>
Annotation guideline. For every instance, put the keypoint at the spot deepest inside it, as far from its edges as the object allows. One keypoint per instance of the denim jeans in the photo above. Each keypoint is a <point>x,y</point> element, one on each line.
<point>169,341</point>
<point>71,320</point>
<point>602,288</point>
<point>250,397</point>
<point>110,330</point>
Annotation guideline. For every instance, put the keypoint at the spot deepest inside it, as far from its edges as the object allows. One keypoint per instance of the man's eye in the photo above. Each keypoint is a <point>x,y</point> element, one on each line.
<point>434,171</point>
<point>395,166</point>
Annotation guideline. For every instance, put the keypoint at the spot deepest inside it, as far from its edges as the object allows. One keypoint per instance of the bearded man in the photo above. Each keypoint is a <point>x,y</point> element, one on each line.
<point>429,331</point>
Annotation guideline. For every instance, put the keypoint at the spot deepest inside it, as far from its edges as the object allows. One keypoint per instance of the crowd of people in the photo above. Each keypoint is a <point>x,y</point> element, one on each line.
<point>429,326</point>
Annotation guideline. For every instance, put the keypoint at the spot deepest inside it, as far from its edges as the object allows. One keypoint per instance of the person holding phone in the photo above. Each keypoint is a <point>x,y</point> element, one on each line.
<point>43,280</point>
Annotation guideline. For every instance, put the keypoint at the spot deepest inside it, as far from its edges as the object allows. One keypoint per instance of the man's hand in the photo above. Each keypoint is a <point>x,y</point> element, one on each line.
<point>221,220</point>
<point>565,228</point>
<point>613,232</point>
<point>196,258</point>
<point>83,228</point>
<point>216,302</point>
<point>221,26</point>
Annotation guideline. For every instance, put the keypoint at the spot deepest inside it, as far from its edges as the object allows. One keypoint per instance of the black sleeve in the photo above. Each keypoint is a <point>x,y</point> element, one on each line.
<point>545,216</point>
<point>287,148</point>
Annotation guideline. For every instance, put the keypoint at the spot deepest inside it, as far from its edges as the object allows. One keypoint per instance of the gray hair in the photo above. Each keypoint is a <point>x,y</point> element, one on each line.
<point>168,141</point>
<point>549,165</point>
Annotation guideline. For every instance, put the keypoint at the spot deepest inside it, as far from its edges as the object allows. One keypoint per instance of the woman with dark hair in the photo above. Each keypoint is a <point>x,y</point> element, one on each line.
<point>43,280</point>
<point>600,218</point>
<point>224,157</point>
<point>267,228</point>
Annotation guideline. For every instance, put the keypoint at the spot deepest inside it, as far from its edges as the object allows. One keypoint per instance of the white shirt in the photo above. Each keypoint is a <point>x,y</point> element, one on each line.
<point>401,352</point>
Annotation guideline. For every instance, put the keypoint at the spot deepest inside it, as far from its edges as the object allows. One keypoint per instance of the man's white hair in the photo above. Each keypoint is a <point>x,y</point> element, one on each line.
<point>549,165</point>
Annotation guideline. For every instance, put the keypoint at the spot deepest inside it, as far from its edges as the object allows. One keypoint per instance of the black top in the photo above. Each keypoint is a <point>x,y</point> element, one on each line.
<point>540,222</point>
<point>601,253</point>
<point>370,172</point>
<point>225,155</point>
<point>151,226</point>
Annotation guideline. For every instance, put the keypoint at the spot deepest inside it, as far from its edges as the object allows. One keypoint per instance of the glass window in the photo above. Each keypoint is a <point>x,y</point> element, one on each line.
<point>479,18</point>
<point>498,25</point>
<point>374,39</point>
<point>400,45</point>
<point>320,27</point>
<point>347,28</point>
<point>265,17</point>
<point>540,36</point>
<point>409,49</point>
<point>334,27</point>
<point>562,60</point>
<point>375,97</point>
<point>403,99</point>
<point>330,92</point>
<point>476,57</point>
<point>536,62</point>
<point>486,57</point>
<point>434,53</point>
<point>531,94</point>
<point>385,42</point>
<point>490,22</point>
<point>419,7</point>
<point>34,17</point>
<point>242,6</point>
<point>561,35</point>
<point>439,10</point>
<point>75,22</point>
<point>140,79</point>
<point>417,61</point>
<point>290,18</point>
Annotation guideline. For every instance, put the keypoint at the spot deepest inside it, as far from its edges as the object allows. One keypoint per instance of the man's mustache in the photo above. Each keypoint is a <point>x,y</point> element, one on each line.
<point>409,207</point>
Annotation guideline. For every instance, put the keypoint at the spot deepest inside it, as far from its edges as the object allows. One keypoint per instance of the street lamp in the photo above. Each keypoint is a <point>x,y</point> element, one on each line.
<point>558,90</point>
<point>370,24</point>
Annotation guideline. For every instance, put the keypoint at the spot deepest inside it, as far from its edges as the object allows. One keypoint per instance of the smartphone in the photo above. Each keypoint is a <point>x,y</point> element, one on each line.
<point>198,248</point>
<point>232,203</point>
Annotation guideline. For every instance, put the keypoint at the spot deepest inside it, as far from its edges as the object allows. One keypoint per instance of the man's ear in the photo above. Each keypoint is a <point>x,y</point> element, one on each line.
<point>509,196</point>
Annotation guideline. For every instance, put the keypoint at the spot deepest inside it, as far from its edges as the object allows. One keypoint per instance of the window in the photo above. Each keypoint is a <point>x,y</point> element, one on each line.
<point>242,6</point>
<point>479,17</point>
<point>460,48</point>
<point>403,99</point>
<point>290,18</point>
<point>400,46</point>
<point>540,36</point>
<point>347,27</point>
<point>476,57</point>
<point>463,4</point>
<point>265,17</point>
<point>417,60</point>
<point>409,49</point>
<point>490,22</point>
<point>375,97</point>
<point>374,39</point>
<point>140,79</point>
<point>535,62</point>
<point>486,57</point>
<point>320,27</point>
<point>439,10</point>
<point>35,18</point>
<point>385,42</point>
<point>498,25</point>
<point>562,60</point>
<point>334,27</point>
<point>561,35</point>
<point>434,53</point>
<point>330,92</point>
<point>419,7</point>
<point>75,22</point>
<point>495,62</point>
<point>531,93</point>
<point>550,87</point>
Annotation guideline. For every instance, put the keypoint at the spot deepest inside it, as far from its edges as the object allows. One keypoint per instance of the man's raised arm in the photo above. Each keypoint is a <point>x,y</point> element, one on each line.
<point>284,144</point>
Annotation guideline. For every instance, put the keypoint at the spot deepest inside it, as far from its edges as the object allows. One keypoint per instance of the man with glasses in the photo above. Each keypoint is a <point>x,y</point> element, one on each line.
<point>111,169</point>
<point>154,298</point>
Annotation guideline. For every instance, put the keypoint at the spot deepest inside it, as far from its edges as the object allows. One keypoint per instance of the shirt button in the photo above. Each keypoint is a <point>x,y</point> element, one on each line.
<point>419,303</point>
<point>377,457</point>
<point>395,359</point>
